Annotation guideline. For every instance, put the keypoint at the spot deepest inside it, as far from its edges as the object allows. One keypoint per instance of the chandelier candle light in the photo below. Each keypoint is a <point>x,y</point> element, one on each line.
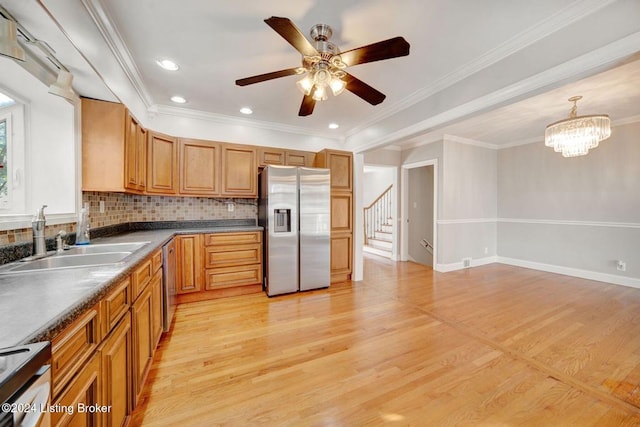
<point>576,135</point>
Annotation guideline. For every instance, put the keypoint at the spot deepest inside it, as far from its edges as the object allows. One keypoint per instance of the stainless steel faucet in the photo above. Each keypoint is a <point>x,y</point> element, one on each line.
<point>38,223</point>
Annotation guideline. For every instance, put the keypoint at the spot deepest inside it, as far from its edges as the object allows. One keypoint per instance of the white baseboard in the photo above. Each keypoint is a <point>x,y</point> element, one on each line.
<point>575,272</point>
<point>445,268</point>
<point>375,251</point>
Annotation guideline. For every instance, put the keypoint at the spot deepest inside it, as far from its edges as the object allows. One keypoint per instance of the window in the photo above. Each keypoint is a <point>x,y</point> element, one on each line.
<point>12,195</point>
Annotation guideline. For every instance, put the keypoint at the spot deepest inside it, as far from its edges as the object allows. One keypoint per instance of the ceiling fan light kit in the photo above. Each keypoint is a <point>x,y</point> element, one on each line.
<point>323,64</point>
<point>577,135</point>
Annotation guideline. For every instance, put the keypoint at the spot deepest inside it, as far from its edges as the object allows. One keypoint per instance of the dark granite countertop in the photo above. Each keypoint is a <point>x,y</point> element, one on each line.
<point>35,306</point>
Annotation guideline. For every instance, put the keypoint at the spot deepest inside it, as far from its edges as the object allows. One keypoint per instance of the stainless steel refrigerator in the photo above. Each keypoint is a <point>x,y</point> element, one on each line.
<point>295,209</point>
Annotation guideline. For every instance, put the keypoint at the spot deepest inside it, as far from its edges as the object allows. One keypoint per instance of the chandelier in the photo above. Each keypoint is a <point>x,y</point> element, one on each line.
<point>576,135</point>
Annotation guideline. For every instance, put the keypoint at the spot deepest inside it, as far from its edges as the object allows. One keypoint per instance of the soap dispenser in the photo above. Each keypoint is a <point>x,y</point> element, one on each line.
<point>38,224</point>
<point>82,232</point>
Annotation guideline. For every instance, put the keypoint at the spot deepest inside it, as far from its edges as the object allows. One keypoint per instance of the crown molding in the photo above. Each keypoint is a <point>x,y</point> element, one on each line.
<point>469,141</point>
<point>113,39</point>
<point>594,60</point>
<point>237,121</point>
<point>563,18</point>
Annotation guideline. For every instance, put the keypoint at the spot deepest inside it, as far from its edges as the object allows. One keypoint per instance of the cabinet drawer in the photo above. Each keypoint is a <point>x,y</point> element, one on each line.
<point>222,239</point>
<point>226,256</point>
<point>156,260</point>
<point>141,277</point>
<point>73,346</point>
<point>115,305</point>
<point>227,277</point>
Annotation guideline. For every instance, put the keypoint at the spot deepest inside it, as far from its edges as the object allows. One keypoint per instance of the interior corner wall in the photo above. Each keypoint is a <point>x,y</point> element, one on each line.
<point>467,226</point>
<point>580,214</point>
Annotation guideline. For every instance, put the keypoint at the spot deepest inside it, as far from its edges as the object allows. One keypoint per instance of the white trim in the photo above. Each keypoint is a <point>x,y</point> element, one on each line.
<point>570,271</point>
<point>179,112</point>
<point>626,121</point>
<point>469,141</point>
<point>570,222</point>
<point>404,202</point>
<point>466,221</point>
<point>445,268</point>
<point>17,222</point>
<point>119,49</point>
<point>539,221</point>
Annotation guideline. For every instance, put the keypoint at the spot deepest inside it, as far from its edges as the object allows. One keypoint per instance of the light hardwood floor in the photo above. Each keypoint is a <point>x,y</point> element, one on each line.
<point>494,346</point>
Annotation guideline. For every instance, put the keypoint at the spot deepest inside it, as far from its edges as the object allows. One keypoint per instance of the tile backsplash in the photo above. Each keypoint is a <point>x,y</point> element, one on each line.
<point>121,208</point>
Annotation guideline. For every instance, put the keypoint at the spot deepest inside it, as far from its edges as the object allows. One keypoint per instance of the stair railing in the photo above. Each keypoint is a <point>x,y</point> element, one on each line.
<point>377,214</point>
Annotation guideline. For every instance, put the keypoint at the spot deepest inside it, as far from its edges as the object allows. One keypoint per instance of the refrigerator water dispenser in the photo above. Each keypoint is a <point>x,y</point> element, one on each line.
<point>282,220</point>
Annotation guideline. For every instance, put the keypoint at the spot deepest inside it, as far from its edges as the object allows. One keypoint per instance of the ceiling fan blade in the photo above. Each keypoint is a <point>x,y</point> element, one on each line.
<point>268,76</point>
<point>306,108</point>
<point>386,49</point>
<point>292,34</point>
<point>363,90</point>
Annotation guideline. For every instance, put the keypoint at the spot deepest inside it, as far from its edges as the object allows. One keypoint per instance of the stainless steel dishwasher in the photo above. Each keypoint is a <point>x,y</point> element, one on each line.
<point>169,283</point>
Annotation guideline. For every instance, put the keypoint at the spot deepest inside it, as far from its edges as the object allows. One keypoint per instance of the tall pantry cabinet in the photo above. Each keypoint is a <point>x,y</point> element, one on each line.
<point>341,165</point>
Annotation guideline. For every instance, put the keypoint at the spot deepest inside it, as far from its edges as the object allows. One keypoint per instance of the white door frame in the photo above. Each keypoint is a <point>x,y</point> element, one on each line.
<point>404,228</point>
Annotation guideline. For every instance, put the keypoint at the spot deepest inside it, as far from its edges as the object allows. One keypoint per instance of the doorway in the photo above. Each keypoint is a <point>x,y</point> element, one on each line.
<point>379,200</point>
<point>419,213</point>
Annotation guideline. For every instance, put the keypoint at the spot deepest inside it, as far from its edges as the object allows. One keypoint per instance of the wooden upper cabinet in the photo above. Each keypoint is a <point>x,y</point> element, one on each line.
<point>135,163</point>
<point>162,161</point>
<point>239,171</point>
<point>103,145</point>
<point>340,163</point>
<point>299,158</point>
<point>199,167</point>
<point>270,156</point>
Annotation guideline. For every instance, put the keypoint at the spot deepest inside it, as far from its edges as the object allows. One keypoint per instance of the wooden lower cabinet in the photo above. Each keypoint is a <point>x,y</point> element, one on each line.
<point>83,392</point>
<point>229,264</point>
<point>115,355</point>
<point>143,345</point>
<point>341,257</point>
<point>189,268</point>
<point>157,309</point>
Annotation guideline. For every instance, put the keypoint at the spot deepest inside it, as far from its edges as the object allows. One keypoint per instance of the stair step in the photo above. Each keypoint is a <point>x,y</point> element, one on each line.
<point>384,236</point>
<point>387,228</point>
<point>380,244</point>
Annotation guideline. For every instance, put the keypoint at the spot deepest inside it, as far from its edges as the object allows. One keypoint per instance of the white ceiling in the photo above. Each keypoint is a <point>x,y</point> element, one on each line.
<point>495,71</point>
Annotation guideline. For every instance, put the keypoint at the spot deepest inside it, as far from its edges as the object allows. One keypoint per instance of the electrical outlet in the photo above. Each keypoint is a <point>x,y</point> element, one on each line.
<point>231,207</point>
<point>101,206</point>
<point>486,251</point>
<point>621,266</point>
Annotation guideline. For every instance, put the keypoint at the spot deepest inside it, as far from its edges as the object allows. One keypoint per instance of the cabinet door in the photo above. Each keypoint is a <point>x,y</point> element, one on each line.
<point>132,172</point>
<point>239,171</point>
<point>103,145</point>
<point>341,174</point>
<point>85,389</point>
<point>143,346</point>
<point>270,156</point>
<point>341,257</point>
<point>141,158</point>
<point>299,158</point>
<point>162,164</point>
<point>189,260</point>
<point>341,214</point>
<point>115,353</point>
<point>156,305</point>
<point>199,167</point>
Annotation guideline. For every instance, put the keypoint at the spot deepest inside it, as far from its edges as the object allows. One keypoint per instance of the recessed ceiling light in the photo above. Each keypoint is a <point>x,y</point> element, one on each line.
<point>178,99</point>
<point>167,64</point>
<point>333,126</point>
<point>246,110</point>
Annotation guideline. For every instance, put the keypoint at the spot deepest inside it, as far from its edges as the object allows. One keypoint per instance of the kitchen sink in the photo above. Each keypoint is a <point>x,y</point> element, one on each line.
<point>68,261</point>
<point>104,248</point>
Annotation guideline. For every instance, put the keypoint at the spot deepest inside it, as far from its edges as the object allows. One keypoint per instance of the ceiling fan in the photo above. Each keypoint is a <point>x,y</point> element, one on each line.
<point>323,64</point>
